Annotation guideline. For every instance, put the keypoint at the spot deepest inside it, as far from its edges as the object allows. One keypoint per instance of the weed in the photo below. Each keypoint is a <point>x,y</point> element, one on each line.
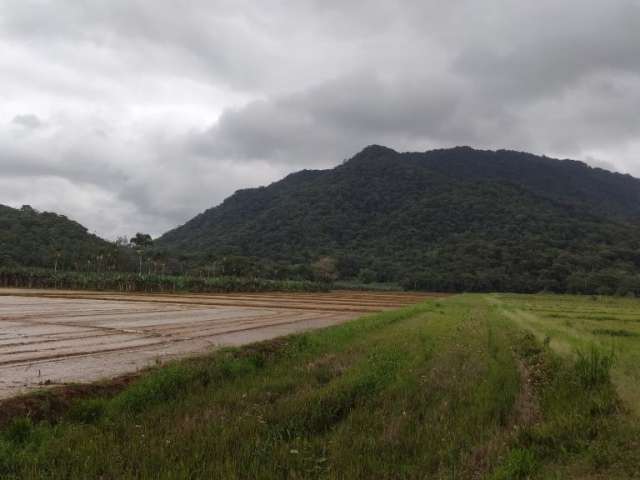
<point>88,411</point>
<point>593,366</point>
<point>19,430</point>
<point>161,386</point>
<point>520,463</point>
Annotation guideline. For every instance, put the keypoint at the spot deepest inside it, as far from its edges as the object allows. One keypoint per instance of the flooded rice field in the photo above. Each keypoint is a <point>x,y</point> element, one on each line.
<point>52,337</point>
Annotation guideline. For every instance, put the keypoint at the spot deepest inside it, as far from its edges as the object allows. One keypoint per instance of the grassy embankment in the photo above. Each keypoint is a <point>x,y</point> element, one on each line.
<point>451,388</point>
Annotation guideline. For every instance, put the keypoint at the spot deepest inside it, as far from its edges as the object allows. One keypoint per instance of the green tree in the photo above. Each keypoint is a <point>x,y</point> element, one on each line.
<point>140,243</point>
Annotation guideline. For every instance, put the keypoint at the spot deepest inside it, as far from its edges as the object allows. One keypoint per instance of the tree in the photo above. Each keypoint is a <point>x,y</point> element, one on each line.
<point>140,242</point>
<point>122,242</point>
<point>366,275</point>
<point>324,269</point>
<point>236,265</point>
<point>57,253</point>
<point>348,266</point>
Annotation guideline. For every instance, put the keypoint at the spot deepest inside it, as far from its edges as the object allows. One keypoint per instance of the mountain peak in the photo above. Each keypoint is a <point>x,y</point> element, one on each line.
<point>374,151</point>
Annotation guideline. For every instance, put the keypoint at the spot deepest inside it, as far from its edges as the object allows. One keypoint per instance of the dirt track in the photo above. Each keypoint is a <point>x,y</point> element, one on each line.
<point>52,337</point>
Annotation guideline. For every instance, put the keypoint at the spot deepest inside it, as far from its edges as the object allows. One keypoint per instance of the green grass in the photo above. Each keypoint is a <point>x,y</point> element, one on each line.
<point>575,324</point>
<point>447,389</point>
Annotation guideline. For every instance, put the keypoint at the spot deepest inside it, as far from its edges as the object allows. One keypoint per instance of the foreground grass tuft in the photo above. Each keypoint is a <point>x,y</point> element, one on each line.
<point>520,463</point>
<point>593,366</point>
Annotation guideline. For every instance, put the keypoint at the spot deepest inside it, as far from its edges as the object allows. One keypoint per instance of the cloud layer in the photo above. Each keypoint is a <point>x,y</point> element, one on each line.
<point>134,115</point>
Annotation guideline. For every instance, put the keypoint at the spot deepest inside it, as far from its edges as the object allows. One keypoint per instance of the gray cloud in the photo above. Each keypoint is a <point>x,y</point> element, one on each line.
<point>28,121</point>
<point>531,52</point>
<point>131,115</point>
<point>319,126</point>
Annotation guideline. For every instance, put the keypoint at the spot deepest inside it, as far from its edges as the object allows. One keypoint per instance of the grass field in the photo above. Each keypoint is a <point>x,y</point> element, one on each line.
<point>576,323</point>
<point>472,386</point>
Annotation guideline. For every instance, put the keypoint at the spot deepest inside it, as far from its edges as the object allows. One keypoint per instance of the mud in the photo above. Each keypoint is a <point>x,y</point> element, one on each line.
<point>51,337</point>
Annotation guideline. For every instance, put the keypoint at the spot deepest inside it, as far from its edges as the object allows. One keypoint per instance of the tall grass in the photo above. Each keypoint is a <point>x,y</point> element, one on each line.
<point>593,365</point>
<point>581,424</point>
<point>519,464</point>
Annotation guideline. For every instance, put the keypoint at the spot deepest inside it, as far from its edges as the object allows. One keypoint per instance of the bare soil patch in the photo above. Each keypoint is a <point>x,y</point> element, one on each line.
<point>54,338</point>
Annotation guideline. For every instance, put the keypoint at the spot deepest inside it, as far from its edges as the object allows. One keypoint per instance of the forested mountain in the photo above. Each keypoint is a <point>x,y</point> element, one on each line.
<point>454,219</point>
<point>45,239</point>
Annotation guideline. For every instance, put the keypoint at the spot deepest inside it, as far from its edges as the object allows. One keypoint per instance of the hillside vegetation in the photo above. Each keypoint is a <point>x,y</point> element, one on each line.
<point>457,219</point>
<point>47,240</point>
<point>446,220</point>
<point>46,250</point>
<point>458,388</point>
<point>19,277</point>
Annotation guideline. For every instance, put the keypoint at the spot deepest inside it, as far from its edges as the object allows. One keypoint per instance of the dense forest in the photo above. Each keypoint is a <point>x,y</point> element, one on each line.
<point>44,239</point>
<point>451,220</point>
<point>47,250</point>
<point>455,219</point>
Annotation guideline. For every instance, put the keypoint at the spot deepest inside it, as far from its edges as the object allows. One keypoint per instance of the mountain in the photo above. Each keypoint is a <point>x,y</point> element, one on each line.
<point>45,239</point>
<point>451,219</point>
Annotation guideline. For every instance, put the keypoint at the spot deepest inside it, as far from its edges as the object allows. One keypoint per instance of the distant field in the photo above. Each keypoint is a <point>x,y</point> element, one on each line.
<point>466,387</point>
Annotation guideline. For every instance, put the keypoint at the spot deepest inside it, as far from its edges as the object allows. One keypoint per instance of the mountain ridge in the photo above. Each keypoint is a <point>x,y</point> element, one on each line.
<point>374,151</point>
<point>397,212</point>
<point>448,219</point>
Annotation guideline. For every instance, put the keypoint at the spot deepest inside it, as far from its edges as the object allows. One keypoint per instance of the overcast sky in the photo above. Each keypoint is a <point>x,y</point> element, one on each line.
<point>134,115</point>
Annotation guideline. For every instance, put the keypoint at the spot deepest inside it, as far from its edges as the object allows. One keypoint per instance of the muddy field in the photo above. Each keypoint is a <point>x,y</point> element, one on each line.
<point>57,337</point>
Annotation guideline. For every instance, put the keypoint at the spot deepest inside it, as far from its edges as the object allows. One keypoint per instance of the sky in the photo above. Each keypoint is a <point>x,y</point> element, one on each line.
<point>135,115</point>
